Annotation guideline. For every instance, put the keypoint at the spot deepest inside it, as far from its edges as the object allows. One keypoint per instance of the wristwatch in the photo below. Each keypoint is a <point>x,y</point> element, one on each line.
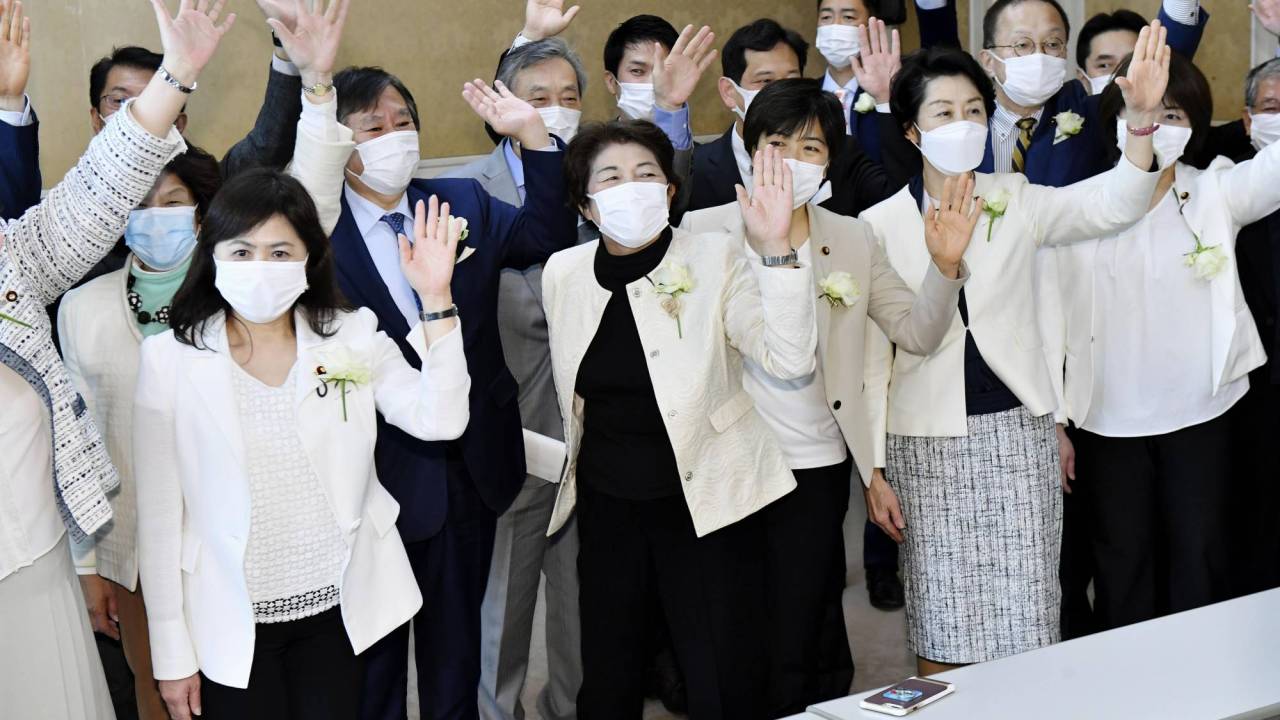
<point>426,317</point>
<point>780,260</point>
<point>173,82</point>
<point>318,90</point>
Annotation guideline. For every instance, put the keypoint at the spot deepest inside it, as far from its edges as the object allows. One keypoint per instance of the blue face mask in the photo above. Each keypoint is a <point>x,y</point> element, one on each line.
<point>161,237</point>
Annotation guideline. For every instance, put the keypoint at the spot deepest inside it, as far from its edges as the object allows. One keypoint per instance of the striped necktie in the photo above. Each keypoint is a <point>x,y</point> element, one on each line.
<point>1023,144</point>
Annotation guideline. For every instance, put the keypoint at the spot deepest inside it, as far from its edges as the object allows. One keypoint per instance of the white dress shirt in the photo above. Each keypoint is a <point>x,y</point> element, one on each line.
<point>26,474</point>
<point>20,118</point>
<point>384,248</point>
<point>796,410</point>
<point>742,157</point>
<point>848,94</point>
<point>1152,319</point>
<point>1004,135</point>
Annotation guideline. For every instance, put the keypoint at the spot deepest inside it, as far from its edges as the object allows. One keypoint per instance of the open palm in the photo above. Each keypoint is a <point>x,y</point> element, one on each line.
<point>1145,83</point>
<point>507,114</point>
<point>766,214</point>
<point>546,18</point>
<point>878,60</point>
<point>313,40</point>
<point>428,261</point>
<point>15,51</point>
<point>949,226</point>
<point>676,74</point>
<point>191,37</point>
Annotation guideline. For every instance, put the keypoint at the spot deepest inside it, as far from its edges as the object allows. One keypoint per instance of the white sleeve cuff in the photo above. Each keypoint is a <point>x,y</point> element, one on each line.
<point>1185,12</point>
<point>520,40</point>
<point>18,119</point>
<point>284,67</point>
<point>931,4</point>
<point>320,120</point>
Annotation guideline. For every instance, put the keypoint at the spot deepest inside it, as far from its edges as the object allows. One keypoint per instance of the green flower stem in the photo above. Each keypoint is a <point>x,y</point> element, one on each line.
<point>991,224</point>
<point>14,320</point>
<point>679,328</point>
<point>342,387</point>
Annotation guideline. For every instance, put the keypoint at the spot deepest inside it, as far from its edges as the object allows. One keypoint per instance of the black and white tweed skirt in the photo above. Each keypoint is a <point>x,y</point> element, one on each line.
<point>983,537</point>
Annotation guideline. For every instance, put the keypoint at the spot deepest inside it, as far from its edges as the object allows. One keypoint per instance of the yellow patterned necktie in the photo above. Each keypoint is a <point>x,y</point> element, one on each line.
<point>1023,144</point>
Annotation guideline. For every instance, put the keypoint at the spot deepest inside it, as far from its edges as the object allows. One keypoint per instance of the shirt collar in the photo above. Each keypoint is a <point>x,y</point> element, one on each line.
<point>740,155</point>
<point>830,85</point>
<point>367,215</point>
<point>514,164</point>
<point>1003,121</point>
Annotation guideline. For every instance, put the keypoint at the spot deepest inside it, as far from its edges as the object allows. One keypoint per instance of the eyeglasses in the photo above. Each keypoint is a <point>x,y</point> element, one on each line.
<point>113,103</point>
<point>1026,46</point>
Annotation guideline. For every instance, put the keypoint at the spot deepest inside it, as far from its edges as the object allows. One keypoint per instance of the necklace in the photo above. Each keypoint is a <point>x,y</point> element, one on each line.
<point>135,305</point>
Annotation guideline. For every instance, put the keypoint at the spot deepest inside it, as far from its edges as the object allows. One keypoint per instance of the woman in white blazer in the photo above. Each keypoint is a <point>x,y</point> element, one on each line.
<point>55,471</point>
<point>667,461</point>
<point>268,549</point>
<point>967,434</point>
<point>821,420</point>
<point>1158,348</point>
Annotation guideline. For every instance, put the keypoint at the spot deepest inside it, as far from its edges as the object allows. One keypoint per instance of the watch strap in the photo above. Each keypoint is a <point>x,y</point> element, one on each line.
<point>426,317</point>
<point>173,82</point>
<point>780,260</point>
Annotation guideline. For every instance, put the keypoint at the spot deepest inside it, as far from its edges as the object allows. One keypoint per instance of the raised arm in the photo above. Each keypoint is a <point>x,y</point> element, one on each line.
<point>55,243</point>
<point>675,77</point>
<point>939,25</point>
<point>1250,189</point>
<point>19,129</point>
<point>1185,20</point>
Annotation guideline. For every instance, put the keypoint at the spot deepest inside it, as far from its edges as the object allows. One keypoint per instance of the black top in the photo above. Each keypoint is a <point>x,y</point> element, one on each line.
<point>984,392</point>
<point>625,449</point>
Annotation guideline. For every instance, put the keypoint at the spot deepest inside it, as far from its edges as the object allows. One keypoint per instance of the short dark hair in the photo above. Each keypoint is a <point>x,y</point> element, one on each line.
<point>359,88</point>
<point>1188,90</point>
<point>906,94</point>
<point>786,106</point>
<point>635,30</point>
<point>872,6</point>
<point>592,139</point>
<point>762,35</point>
<point>245,203</point>
<point>199,171</point>
<point>130,56</point>
<point>1105,23</point>
<point>994,12</point>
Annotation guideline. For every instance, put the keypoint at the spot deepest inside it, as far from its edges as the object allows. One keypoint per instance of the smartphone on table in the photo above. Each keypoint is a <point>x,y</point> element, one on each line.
<point>907,696</point>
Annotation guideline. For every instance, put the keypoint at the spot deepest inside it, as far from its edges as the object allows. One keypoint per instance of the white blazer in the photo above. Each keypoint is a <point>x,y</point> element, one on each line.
<point>926,395</point>
<point>729,464</point>
<point>193,486</point>
<point>1221,199</point>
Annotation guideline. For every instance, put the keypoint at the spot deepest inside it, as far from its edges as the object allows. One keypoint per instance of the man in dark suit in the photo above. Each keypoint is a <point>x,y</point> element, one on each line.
<point>450,493</point>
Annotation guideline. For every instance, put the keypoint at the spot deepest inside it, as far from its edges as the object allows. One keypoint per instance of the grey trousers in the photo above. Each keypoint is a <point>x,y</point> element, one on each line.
<point>522,554</point>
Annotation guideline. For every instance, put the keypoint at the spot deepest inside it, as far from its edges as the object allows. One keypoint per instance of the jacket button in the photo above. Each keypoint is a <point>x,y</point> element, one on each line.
<point>11,296</point>
<point>826,250</point>
<point>688,476</point>
<point>635,293</point>
<point>654,354</point>
<point>836,405</point>
<point>671,414</point>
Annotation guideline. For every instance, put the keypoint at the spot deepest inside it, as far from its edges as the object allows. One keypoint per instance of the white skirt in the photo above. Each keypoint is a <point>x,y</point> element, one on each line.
<point>49,664</point>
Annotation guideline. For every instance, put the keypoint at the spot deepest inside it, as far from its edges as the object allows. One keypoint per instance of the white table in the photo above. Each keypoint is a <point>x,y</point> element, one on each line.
<point>1221,661</point>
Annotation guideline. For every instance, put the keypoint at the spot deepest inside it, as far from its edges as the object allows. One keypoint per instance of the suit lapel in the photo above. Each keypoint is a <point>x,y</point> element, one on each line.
<point>498,179</point>
<point>363,285</point>
<point>821,250</point>
<point>209,371</point>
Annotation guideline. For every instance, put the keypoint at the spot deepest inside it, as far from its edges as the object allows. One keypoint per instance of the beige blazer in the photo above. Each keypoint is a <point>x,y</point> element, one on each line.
<point>926,394</point>
<point>1221,199</point>
<point>193,490</point>
<point>916,322</point>
<point>728,462</point>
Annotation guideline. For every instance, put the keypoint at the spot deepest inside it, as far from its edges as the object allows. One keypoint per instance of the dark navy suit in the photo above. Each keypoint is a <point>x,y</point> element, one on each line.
<point>19,169</point>
<point>451,493</point>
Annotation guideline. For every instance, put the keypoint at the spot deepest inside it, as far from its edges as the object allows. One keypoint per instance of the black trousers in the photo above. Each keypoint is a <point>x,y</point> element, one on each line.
<point>1256,540</point>
<point>303,670</point>
<point>879,551</point>
<point>809,657</point>
<point>1075,568</point>
<point>710,589</point>
<point>1158,511</point>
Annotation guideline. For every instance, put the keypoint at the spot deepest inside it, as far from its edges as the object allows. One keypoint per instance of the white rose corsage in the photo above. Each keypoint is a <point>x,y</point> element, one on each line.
<point>339,366</point>
<point>672,279</point>
<point>1068,124</point>
<point>464,251</point>
<point>995,205</point>
<point>1206,261</point>
<point>839,289</point>
<point>865,103</point>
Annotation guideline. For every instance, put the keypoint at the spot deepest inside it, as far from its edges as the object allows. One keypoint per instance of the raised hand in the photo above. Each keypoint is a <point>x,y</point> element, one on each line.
<point>428,261</point>
<point>191,37</point>
<point>767,212</point>
<point>1268,14</point>
<point>15,56</point>
<point>546,18</point>
<point>312,40</point>
<point>949,226</point>
<point>1144,84</point>
<point>676,74</point>
<point>878,60</point>
<point>507,114</point>
<point>286,11</point>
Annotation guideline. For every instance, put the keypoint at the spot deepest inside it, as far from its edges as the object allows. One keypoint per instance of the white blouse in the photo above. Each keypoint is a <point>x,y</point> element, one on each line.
<point>1152,323</point>
<point>295,553</point>
<point>27,500</point>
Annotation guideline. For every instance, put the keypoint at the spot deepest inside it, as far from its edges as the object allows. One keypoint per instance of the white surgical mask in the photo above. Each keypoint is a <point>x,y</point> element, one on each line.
<point>1032,79</point>
<point>260,290</point>
<point>806,180</point>
<point>632,214</point>
<point>838,44</point>
<point>561,121</point>
<point>1098,84</point>
<point>747,96</point>
<point>389,161</point>
<point>954,148</point>
<point>1170,142</point>
<point>161,237</point>
<point>1264,129</point>
<point>636,100</point>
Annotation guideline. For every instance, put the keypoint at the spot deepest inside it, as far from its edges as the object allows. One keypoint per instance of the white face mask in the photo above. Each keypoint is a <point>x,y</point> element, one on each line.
<point>1170,142</point>
<point>1032,79</point>
<point>632,214</point>
<point>954,148</point>
<point>1098,84</point>
<point>260,290</point>
<point>389,161</point>
<point>1264,129</point>
<point>806,179</point>
<point>838,44</point>
<point>747,96</point>
<point>636,100</point>
<point>561,121</point>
